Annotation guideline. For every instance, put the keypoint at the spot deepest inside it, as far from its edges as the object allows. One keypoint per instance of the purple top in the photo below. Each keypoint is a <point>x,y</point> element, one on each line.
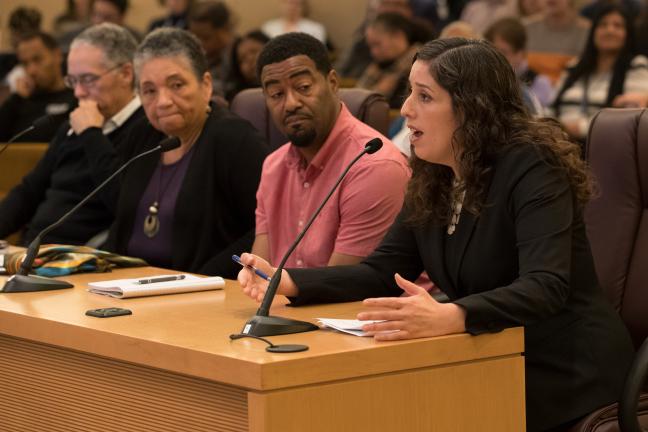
<point>164,187</point>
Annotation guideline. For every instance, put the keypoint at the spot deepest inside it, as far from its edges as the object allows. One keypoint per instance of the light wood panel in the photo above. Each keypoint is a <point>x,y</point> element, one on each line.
<point>16,161</point>
<point>174,352</point>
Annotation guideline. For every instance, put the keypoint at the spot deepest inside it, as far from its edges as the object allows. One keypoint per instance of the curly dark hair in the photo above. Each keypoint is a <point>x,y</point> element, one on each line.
<point>492,118</point>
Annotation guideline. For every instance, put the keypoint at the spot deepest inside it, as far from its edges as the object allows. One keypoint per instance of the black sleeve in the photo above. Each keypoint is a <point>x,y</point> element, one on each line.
<point>543,206</point>
<point>374,277</point>
<point>21,202</point>
<point>245,161</point>
<point>8,113</point>
<point>104,161</point>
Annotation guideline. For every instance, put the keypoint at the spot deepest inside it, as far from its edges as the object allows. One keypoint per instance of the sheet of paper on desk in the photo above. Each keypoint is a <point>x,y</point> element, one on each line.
<point>353,327</point>
<point>125,288</point>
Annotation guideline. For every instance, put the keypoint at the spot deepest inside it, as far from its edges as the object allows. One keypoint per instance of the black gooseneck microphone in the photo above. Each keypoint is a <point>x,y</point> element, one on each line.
<point>264,325</point>
<point>22,281</point>
<point>41,122</point>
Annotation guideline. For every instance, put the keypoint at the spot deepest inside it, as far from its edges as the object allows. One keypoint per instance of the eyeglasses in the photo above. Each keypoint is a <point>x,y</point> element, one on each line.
<point>86,80</point>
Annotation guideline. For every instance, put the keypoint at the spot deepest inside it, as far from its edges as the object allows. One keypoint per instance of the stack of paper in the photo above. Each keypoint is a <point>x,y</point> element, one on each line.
<point>124,288</point>
<point>353,327</point>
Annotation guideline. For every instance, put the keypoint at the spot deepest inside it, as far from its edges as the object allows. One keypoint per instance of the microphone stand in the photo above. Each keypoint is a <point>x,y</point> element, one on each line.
<point>45,120</point>
<point>22,281</point>
<point>262,324</point>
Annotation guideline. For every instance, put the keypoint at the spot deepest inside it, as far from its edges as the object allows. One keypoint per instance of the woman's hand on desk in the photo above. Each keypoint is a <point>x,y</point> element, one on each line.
<point>255,286</point>
<point>415,316</point>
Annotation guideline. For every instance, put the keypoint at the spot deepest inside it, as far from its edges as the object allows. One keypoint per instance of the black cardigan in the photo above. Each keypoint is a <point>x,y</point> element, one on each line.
<point>214,213</point>
<point>525,261</point>
<point>70,168</point>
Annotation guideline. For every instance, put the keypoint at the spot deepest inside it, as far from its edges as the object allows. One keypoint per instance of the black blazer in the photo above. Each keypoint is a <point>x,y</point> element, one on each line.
<point>524,261</point>
<point>214,213</point>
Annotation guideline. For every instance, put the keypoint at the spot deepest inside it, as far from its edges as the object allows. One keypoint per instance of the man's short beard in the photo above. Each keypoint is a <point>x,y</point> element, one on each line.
<point>303,138</point>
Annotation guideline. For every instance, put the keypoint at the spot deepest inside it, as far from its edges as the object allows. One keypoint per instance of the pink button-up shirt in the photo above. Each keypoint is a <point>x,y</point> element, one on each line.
<point>358,214</point>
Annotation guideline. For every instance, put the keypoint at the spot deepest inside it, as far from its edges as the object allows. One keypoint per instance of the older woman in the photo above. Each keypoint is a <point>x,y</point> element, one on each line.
<point>608,68</point>
<point>189,208</point>
<point>493,213</point>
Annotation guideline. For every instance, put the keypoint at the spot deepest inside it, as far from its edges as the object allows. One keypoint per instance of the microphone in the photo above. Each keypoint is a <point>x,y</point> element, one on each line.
<point>46,121</point>
<point>22,281</point>
<point>264,325</point>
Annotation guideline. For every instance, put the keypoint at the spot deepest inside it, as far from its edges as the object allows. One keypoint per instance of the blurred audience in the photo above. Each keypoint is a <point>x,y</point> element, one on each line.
<point>245,52</point>
<point>555,37</point>
<point>392,44</point>
<point>293,18</point>
<point>213,24</point>
<point>607,68</point>
<point>22,21</point>
<point>41,91</point>
<point>190,208</point>
<point>481,13</point>
<point>459,29</point>
<point>75,18</point>
<point>100,71</point>
<point>177,15</point>
<point>508,35</point>
<point>528,8</point>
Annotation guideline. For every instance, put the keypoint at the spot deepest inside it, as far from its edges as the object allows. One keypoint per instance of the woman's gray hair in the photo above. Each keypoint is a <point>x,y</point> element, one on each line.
<point>117,43</point>
<point>172,42</point>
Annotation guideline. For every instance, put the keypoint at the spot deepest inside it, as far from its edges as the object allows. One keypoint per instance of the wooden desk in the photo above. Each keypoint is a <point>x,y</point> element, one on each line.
<point>171,367</point>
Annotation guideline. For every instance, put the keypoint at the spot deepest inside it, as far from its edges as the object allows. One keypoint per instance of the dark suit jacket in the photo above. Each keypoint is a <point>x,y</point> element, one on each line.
<point>524,261</point>
<point>214,212</point>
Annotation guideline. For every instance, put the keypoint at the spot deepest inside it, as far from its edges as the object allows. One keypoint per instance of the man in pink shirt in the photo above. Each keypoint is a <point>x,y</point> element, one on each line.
<point>300,88</point>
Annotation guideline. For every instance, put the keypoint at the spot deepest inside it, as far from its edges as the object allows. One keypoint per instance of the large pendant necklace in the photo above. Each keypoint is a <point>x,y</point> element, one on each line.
<point>151,221</point>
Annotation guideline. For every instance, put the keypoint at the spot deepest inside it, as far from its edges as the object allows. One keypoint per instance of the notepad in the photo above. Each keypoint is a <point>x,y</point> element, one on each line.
<point>126,288</point>
<point>353,327</point>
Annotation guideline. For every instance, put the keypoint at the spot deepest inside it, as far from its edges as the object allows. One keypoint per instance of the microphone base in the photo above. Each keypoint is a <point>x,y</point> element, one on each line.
<point>21,283</point>
<point>271,326</point>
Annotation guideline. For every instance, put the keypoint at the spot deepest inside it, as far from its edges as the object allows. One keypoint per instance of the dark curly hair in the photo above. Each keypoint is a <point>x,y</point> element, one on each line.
<point>492,118</point>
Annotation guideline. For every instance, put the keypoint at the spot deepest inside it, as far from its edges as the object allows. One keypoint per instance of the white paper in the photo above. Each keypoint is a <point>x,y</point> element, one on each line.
<point>353,327</point>
<point>125,288</point>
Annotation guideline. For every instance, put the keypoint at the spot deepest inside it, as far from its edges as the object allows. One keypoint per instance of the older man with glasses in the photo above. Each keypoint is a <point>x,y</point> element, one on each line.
<point>86,149</point>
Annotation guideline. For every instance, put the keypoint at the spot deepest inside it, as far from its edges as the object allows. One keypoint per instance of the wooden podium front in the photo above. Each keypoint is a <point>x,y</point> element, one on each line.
<point>171,367</point>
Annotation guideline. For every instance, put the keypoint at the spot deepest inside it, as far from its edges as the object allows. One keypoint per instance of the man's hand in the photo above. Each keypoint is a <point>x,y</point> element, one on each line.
<point>25,86</point>
<point>415,316</point>
<point>86,115</point>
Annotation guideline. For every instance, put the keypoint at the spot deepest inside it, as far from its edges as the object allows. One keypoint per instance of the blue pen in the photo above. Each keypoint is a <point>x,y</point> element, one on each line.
<point>258,272</point>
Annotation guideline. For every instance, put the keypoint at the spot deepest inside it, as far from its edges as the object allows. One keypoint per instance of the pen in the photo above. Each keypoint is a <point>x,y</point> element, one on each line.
<point>258,272</point>
<point>160,279</point>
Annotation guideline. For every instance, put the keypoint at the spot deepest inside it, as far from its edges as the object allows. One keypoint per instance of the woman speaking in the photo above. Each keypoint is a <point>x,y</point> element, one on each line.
<point>190,208</point>
<point>494,214</point>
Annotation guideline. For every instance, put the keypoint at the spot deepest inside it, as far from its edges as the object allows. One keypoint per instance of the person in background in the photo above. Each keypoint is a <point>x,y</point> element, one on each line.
<point>22,21</point>
<point>528,8</point>
<point>481,13</point>
<point>508,35</point>
<point>191,208</point>
<point>555,37</point>
<point>112,11</point>
<point>300,90</point>
<point>607,68</point>
<point>293,18</point>
<point>494,213</point>
<point>75,18</point>
<point>459,29</point>
<point>42,91</point>
<point>177,16</point>
<point>393,45</point>
<point>245,52</point>
<point>80,156</point>
<point>212,23</point>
